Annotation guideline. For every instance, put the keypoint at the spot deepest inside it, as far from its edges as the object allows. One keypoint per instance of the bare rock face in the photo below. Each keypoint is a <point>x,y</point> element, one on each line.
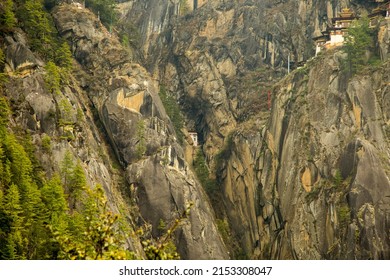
<point>128,105</point>
<point>384,39</point>
<point>305,184</point>
<point>164,186</point>
<point>216,59</point>
<point>318,186</point>
<point>19,57</point>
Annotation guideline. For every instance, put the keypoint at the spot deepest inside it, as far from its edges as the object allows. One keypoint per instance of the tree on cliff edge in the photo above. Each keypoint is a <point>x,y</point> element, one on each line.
<point>357,43</point>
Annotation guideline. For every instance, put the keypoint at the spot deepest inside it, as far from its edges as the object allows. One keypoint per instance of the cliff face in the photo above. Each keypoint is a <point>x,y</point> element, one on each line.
<point>218,59</point>
<point>62,123</point>
<point>302,176</point>
<point>310,180</point>
<point>128,105</point>
<point>314,181</point>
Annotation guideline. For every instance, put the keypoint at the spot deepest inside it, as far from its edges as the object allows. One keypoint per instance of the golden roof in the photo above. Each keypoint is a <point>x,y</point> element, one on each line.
<point>346,13</point>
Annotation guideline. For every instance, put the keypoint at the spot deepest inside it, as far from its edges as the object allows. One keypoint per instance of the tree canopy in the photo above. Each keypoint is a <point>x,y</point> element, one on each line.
<point>357,42</point>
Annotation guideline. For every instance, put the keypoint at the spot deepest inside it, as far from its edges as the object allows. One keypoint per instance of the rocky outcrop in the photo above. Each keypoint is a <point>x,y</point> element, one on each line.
<point>384,39</point>
<point>20,60</point>
<point>126,99</point>
<point>165,186</point>
<point>215,60</point>
<point>318,186</point>
<point>60,123</point>
<point>293,186</point>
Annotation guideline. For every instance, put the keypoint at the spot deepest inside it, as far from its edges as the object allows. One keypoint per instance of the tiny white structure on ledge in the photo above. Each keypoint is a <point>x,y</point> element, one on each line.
<point>194,137</point>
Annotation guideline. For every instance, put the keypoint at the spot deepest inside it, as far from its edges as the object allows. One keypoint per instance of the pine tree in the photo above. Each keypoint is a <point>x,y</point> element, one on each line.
<point>54,198</point>
<point>3,76</point>
<point>356,44</point>
<point>12,246</point>
<point>67,168</point>
<point>53,77</point>
<point>4,114</point>
<point>77,185</point>
<point>63,56</point>
<point>7,16</point>
<point>99,239</point>
<point>37,25</point>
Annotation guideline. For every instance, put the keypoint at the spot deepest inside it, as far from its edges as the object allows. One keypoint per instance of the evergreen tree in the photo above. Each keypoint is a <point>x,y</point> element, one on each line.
<point>52,77</point>
<point>54,198</point>
<point>12,247</point>
<point>7,16</point>
<point>63,56</point>
<point>77,185</point>
<point>36,23</point>
<point>3,76</point>
<point>100,239</point>
<point>55,214</point>
<point>105,9</point>
<point>4,114</point>
<point>356,44</point>
<point>173,111</point>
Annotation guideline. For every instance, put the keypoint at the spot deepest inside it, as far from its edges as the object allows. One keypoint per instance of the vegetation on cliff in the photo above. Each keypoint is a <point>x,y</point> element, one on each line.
<point>358,41</point>
<point>58,215</point>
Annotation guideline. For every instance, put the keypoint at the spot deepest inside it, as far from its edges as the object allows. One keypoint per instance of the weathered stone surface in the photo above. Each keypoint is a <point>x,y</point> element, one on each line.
<point>164,187</point>
<point>134,118</point>
<point>281,183</point>
<point>18,57</point>
<point>322,174</point>
<point>42,115</point>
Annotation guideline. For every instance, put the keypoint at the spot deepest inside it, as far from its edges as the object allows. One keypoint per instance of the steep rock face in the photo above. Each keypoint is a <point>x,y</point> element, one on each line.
<point>165,185</point>
<point>140,132</point>
<point>295,187</point>
<point>319,184</point>
<point>64,120</point>
<point>216,59</point>
<point>384,39</point>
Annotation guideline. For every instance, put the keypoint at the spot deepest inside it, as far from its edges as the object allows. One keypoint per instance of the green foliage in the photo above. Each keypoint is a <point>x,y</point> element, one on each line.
<point>78,183</point>
<point>11,208</point>
<point>42,34</point>
<point>99,238</point>
<point>66,110</point>
<point>36,22</point>
<point>74,180</point>
<point>163,248</point>
<point>356,44</point>
<point>2,58</point>
<point>21,202</point>
<point>344,216</point>
<point>4,115</point>
<point>173,110</point>
<point>63,57</point>
<point>203,173</point>
<point>63,218</point>
<point>54,199</point>
<point>105,9</point>
<point>7,16</point>
<point>46,143</point>
<point>3,76</point>
<point>224,230</point>
<point>338,179</point>
<point>52,77</point>
<point>141,144</point>
<point>125,41</point>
